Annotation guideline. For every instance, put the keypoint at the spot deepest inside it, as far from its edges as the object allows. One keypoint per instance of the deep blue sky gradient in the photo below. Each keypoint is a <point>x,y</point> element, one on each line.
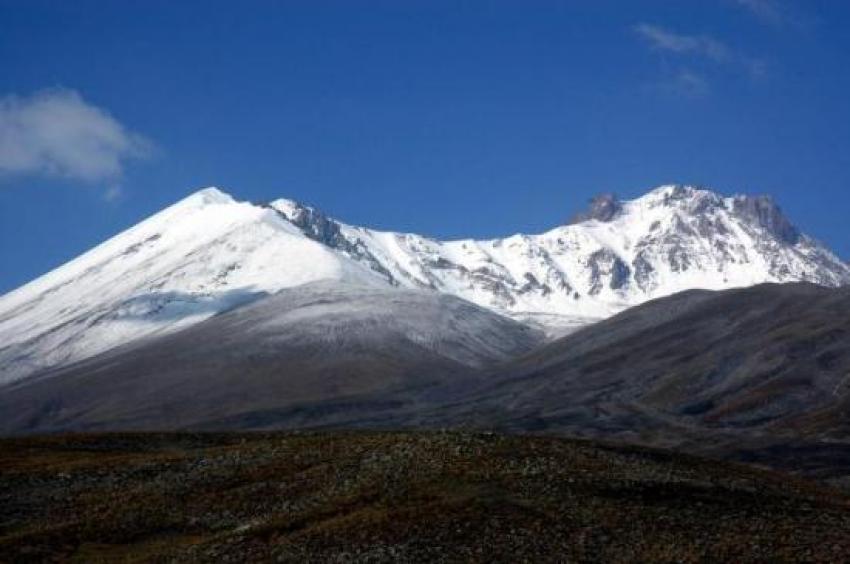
<point>450,119</point>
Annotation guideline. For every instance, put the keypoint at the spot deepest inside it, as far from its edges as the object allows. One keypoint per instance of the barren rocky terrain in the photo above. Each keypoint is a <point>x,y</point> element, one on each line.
<point>374,497</point>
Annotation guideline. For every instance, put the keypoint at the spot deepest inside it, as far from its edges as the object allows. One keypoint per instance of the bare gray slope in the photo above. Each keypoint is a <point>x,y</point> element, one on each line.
<point>316,354</point>
<point>760,374</point>
<point>726,373</point>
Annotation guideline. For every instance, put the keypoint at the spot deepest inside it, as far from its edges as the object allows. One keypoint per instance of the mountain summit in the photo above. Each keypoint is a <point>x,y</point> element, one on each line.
<point>618,254</point>
<point>209,253</point>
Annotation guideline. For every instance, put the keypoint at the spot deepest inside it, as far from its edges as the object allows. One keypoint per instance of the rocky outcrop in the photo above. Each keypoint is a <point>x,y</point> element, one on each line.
<point>764,211</point>
<point>603,207</point>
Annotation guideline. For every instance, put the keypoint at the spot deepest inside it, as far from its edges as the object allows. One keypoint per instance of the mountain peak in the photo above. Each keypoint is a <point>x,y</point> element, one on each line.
<point>602,207</point>
<point>209,195</point>
<point>606,207</point>
<point>681,194</point>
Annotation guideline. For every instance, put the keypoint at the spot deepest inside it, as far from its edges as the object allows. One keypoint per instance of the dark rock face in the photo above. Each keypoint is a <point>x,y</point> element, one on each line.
<point>766,213</point>
<point>643,272</point>
<point>534,285</point>
<point>603,207</point>
<point>705,203</point>
<point>319,227</point>
<point>678,258</point>
<point>605,265</point>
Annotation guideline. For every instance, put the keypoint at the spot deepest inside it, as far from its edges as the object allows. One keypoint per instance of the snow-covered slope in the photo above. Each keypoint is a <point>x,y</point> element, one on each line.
<point>198,257</point>
<point>617,255</point>
<point>208,253</point>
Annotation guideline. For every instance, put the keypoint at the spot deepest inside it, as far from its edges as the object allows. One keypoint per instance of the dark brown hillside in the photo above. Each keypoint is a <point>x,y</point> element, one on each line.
<point>763,364</point>
<point>390,497</point>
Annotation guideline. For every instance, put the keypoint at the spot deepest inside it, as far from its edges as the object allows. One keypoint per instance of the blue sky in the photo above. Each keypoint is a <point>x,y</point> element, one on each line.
<point>446,118</point>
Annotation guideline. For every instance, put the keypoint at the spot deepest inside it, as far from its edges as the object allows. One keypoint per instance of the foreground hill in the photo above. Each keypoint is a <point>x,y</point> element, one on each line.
<point>743,373</point>
<point>398,497</point>
<point>318,354</point>
<point>774,357</point>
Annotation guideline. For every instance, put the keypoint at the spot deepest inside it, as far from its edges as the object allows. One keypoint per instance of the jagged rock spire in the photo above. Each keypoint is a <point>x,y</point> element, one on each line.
<point>602,207</point>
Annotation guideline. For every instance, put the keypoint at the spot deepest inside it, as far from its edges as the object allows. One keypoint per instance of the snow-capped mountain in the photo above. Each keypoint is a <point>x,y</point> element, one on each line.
<point>202,255</point>
<point>208,253</point>
<point>615,256</point>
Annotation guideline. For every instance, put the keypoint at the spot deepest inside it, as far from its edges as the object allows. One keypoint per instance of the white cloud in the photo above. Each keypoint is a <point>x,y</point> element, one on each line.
<point>689,83</point>
<point>57,133</point>
<point>666,40</point>
<point>765,10</point>
<point>681,83</point>
<point>701,46</point>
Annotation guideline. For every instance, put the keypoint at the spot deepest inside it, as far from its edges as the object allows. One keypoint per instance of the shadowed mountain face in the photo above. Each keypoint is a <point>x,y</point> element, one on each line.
<point>761,373</point>
<point>772,357</point>
<point>321,353</point>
